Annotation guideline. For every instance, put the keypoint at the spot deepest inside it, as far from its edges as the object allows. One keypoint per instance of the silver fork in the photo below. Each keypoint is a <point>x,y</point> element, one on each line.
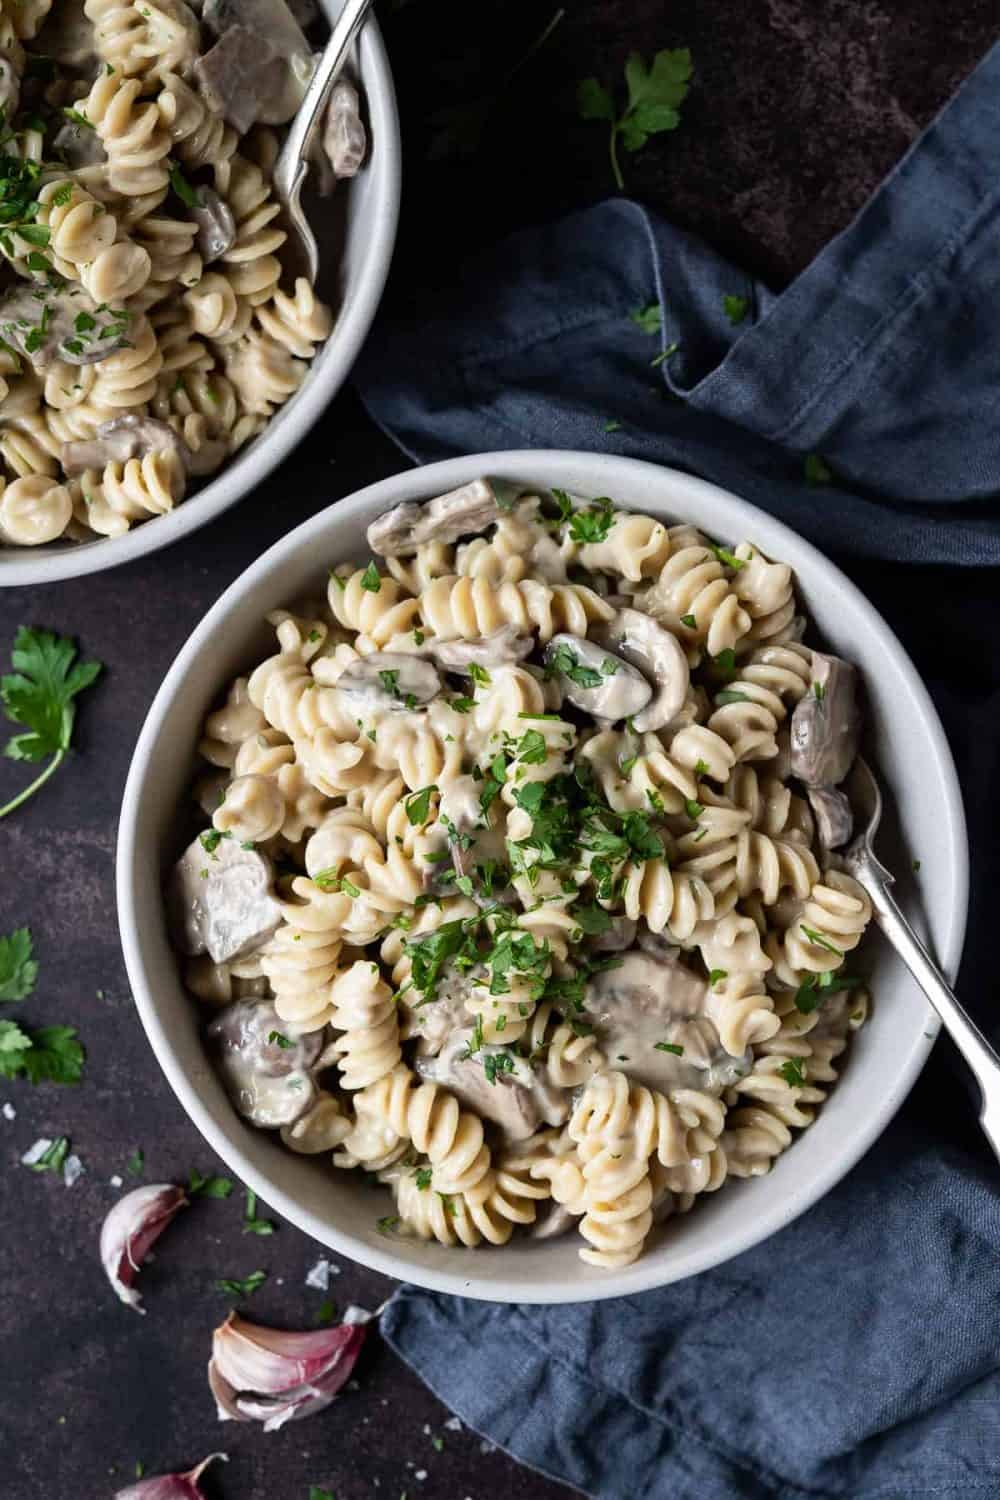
<point>867,869</point>
<point>292,166</point>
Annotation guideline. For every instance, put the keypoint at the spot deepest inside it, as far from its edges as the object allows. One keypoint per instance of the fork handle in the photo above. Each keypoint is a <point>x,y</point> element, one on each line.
<point>981,1057</point>
<point>293,163</point>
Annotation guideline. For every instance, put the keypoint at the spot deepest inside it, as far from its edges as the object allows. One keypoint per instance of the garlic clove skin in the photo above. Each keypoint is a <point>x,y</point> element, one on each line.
<point>129,1230</point>
<point>170,1486</point>
<point>271,1376</point>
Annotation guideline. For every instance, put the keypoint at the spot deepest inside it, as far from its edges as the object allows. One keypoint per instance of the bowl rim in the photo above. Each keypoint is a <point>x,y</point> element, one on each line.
<point>22,566</point>
<point>547,466</point>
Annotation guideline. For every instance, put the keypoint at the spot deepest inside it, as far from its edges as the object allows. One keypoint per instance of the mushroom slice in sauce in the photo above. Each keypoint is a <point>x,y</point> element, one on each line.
<point>458,513</point>
<point>344,138</point>
<point>474,841</point>
<point>265,79</point>
<point>78,146</point>
<point>216,225</point>
<point>389,681</point>
<point>649,1014</point>
<point>834,818</point>
<point>658,655</point>
<point>133,436</point>
<point>46,324</point>
<point>617,938</point>
<point>221,899</point>
<point>268,1081</point>
<point>595,680</point>
<point>826,723</point>
<point>10,86</point>
<point>499,648</point>
<point>518,1099</point>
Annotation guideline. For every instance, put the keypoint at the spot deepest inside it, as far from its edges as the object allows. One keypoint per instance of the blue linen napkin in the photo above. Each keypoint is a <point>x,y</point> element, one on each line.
<point>857,1353</point>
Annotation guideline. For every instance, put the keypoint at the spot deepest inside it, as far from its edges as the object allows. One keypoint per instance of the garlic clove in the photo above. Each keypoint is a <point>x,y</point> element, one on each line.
<point>170,1486</point>
<point>272,1376</point>
<point>129,1230</point>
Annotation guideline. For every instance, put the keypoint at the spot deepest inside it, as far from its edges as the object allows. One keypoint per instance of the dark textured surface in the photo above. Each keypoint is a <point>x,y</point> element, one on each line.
<point>798,109</point>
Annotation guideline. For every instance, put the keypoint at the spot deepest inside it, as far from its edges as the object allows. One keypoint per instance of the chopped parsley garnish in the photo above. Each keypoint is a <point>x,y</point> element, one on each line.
<point>211,839</point>
<point>370,580</point>
<point>531,749</point>
<point>78,118</point>
<point>730,695</point>
<point>564,662</point>
<point>51,1054</point>
<point>793,1072</point>
<point>208,1187</point>
<point>495,1064</point>
<point>593,920</point>
<point>593,523</point>
<point>736,308</point>
<point>689,621</point>
<point>185,192</point>
<point>251,1223</point>
<point>816,470</point>
<point>669,1047</point>
<point>418,806</point>
<point>812,991</point>
<point>424,1176</point>
<point>648,319</point>
<point>819,691</point>
<point>724,665</point>
<point>387,1224</point>
<point>700,768</point>
<point>244,1288</point>
<point>136,1162</point>
<point>479,674</point>
<point>279,1039</point>
<point>694,810</point>
<point>390,681</point>
<point>462,705</point>
<point>820,940</point>
<point>716,975</point>
<point>52,1158</point>
<point>729,559</point>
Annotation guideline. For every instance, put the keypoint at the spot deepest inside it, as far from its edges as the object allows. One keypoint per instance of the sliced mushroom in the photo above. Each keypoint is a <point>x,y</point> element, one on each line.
<point>595,680</point>
<point>268,1081</point>
<point>389,681</point>
<point>45,324</point>
<point>649,1016</point>
<point>499,648</point>
<point>216,225</point>
<point>78,146</point>
<point>220,899</point>
<point>658,655</point>
<point>133,436</point>
<point>10,86</point>
<point>458,513</point>
<point>518,1100</point>
<point>834,818</point>
<point>344,138</point>
<point>68,37</point>
<point>617,938</point>
<point>826,723</point>
<point>431,1024</point>
<point>261,65</point>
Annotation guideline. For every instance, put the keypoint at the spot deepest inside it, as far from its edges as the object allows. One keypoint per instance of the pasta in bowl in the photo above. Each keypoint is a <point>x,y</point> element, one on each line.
<point>154,346</point>
<point>516,883</point>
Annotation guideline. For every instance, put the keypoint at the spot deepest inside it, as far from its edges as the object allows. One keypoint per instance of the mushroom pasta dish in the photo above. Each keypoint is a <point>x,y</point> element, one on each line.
<point>521,889</point>
<point>145,335</point>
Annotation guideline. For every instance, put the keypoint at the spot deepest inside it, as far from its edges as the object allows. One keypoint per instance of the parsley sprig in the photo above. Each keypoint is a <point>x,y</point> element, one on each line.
<point>39,694</point>
<point>655,94</point>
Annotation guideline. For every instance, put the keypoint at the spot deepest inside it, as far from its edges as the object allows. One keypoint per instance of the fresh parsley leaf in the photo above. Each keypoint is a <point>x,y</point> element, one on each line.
<point>593,523</point>
<point>52,1159</point>
<point>665,354</point>
<point>418,806</point>
<point>424,1177</point>
<point>317,1493</point>
<point>813,990</point>
<point>564,505</point>
<point>648,319</point>
<point>736,308</point>
<point>495,1064</point>
<point>726,557</point>
<point>669,1047</point>
<point>244,1288</point>
<point>531,749</point>
<point>53,1054</point>
<point>819,692</point>
<point>462,705</point>
<point>211,839</point>
<point>700,768</point>
<point>136,1162</point>
<point>251,1223</point>
<point>79,119</point>
<point>185,192</point>
<point>730,695</point>
<point>612,426</point>
<point>724,665</point>
<point>208,1187</point>
<point>793,1072</point>
<point>327,1311</point>
<point>278,1038</point>
<point>820,940</point>
<point>564,662</point>
<point>689,621</point>
<point>694,810</point>
<point>715,976</point>
<point>655,94</point>
<point>593,919</point>
<point>479,674</point>
<point>816,470</point>
<point>370,580</point>
<point>39,694</point>
<point>387,1224</point>
<point>18,968</point>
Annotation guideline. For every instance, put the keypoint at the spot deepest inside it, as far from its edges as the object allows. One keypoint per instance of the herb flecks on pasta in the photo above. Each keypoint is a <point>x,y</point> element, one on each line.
<point>523,841</point>
<point>140,257</point>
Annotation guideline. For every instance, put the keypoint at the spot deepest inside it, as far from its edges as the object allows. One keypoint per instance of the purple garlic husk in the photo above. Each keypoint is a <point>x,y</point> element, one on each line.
<point>272,1376</point>
<point>130,1229</point>
<point>170,1486</point>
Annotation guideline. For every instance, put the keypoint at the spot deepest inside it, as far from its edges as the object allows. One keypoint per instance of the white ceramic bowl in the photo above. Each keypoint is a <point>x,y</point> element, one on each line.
<point>371,215</point>
<point>338,1209</point>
